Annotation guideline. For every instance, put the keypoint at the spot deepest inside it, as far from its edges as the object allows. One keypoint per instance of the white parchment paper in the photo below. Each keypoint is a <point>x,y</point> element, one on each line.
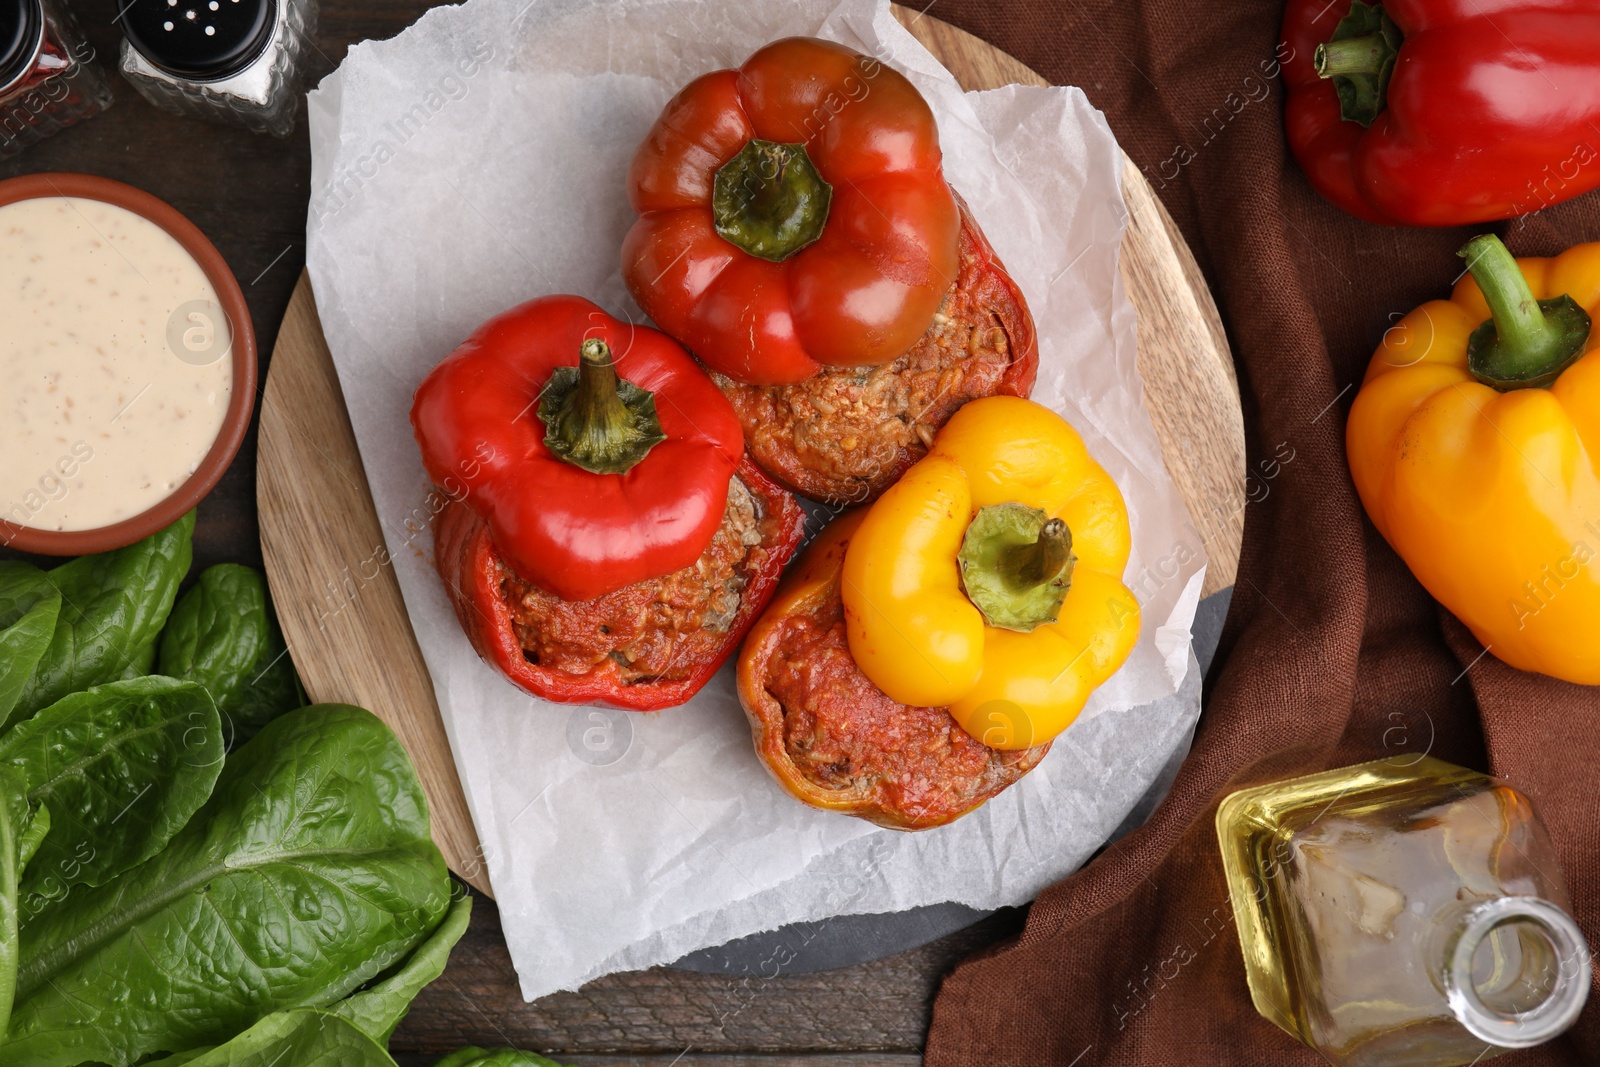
<point>478,160</point>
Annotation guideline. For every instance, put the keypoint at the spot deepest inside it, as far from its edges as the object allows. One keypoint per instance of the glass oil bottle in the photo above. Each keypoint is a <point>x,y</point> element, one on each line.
<point>1406,912</point>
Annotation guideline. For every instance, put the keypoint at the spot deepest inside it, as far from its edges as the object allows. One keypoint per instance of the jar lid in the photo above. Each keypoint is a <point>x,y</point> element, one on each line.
<point>202,40</point>
<point>21,35</point>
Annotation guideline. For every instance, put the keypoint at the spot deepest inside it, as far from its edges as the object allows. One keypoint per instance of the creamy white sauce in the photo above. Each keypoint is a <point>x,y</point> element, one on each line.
<point>115,367</point>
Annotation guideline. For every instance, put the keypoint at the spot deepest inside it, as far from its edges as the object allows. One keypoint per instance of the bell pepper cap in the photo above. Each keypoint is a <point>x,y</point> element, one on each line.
<point>1525,343</point>
<point>1016,565</point>
<point>594,419</point>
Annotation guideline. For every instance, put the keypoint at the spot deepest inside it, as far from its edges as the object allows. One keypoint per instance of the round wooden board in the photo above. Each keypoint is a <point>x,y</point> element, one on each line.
<point>341,608</point>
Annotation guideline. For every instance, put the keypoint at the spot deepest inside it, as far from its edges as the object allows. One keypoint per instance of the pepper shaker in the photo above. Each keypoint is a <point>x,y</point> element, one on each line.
<point>48,80</point>
<point>236,61</point>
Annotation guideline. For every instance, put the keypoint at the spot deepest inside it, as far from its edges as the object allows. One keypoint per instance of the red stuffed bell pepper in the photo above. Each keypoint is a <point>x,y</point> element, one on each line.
<point>797,234</point>
<point>605,541</point>
<point>1444,112</point>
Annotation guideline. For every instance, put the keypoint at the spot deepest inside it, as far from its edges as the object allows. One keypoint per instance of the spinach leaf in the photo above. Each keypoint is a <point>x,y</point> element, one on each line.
<point>291,1039</point>
<point>33,836</point>
<point>223,635</point>
<point>13,820</point>
<point>311,858</point>
<point>122,767</point>
<point>500,1057</point>
<point>378,1008</point>
<point>29,606</point>
<point>113,606</point>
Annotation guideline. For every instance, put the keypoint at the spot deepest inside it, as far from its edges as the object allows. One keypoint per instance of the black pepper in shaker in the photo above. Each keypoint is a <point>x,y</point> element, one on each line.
<point>48,79</point>
<point>238,61</point>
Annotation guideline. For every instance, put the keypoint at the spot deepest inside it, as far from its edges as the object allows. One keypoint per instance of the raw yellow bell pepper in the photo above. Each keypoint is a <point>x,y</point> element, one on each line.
<point>988,580</point>
<point>1473,443</point>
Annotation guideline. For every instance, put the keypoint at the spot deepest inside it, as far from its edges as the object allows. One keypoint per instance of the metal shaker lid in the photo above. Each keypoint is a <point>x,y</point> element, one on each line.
<point>201,40</point>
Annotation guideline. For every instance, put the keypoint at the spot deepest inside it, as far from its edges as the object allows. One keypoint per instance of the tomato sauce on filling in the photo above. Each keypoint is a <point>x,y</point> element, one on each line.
<point>660,629</point>
<point>842,732</point>
<point>846,433</point>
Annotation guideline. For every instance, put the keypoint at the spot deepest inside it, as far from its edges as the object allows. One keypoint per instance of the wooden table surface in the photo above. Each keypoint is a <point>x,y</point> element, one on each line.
<point>248,193</point>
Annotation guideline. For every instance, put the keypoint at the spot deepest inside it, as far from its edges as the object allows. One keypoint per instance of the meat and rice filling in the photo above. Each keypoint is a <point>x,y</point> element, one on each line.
<point>841,731</point>
<point>847,433</point>
<point>664,628</point>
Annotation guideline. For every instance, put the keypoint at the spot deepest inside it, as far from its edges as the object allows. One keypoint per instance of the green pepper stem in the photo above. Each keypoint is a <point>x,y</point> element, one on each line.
<point>1526,342</point>
<point>1516,313</point>
<point>595,420</point>
<point>770,200</point>
<point>1360,59</point>
<point>598,411</point>
<point>771,165</point>
<point>1016,565</point>
<point>1352,55</point>
<point>1025,566</point>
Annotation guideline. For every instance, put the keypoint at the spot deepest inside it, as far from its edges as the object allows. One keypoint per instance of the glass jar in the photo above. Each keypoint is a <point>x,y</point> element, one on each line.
<point>1404,912</point>
<point>237,61</point>
<point>48,79</point>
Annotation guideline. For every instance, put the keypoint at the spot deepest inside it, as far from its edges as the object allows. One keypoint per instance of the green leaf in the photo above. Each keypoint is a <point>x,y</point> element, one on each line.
<point>500,1057</point>
<point>113,606</point>
<point>29,607</point>
<point>178,1059</point>
<point>379,1008</point>
<point>311,859</point>
<point>291,1039</point>
<point>223,635</point>
<point>33,836</point>
<point>122,768</point>
<point>13,819</point>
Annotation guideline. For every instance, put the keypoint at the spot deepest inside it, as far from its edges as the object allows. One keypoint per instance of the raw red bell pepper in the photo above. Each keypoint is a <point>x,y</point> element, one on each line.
<point>596,451</point>
<point>793,213</point>
<point>467,560</point>
<point>1444,112</point>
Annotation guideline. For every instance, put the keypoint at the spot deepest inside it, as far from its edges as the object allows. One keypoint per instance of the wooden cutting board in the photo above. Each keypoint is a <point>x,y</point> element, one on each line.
<point>340,606</point>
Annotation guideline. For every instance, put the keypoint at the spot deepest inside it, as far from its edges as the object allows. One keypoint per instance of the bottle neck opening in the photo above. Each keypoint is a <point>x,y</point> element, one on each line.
<point>1517,971</point>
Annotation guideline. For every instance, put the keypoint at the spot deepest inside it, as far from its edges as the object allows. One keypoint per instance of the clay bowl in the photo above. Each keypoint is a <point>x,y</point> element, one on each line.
<point>241,401</point>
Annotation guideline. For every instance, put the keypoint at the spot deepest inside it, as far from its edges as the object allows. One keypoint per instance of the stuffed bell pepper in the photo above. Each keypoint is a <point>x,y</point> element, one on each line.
<point>1475,445</point>
<point>797,234</point>
<point>927,649</point>
<point>606,541</point>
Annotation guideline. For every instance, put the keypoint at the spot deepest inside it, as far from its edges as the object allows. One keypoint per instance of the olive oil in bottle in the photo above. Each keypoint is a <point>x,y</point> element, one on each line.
<point>1407,912</point>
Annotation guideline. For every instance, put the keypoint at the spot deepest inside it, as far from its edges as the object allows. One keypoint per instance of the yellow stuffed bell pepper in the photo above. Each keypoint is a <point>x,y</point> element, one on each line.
<point>1473,443</point>
<point>988,580</point>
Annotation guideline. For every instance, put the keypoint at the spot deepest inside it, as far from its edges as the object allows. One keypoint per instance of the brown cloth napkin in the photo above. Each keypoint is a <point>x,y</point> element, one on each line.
<point>1332,654</point>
